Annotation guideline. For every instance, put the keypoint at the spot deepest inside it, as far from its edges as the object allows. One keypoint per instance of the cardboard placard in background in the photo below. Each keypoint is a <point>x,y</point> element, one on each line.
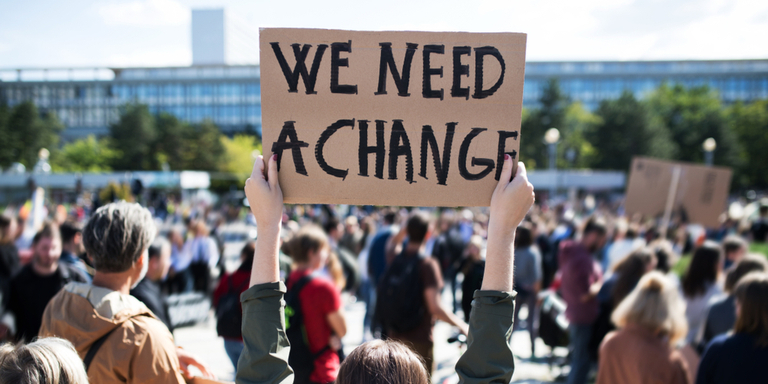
<point>701,194</point>
<point>390,118</point>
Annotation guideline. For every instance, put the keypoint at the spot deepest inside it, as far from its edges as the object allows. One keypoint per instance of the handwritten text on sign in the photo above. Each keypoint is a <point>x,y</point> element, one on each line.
<point>391,118</point>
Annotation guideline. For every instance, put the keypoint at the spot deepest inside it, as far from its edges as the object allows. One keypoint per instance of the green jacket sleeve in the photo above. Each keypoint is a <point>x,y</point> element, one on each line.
<point>265,356</point>
<point>488,358</point>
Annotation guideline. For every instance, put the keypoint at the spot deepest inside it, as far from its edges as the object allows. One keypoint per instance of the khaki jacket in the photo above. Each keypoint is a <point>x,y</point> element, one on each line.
<point>140,350</point>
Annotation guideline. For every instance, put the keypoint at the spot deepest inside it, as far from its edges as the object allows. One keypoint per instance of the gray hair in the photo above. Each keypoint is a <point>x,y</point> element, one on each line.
<point>117,235</point>
<point>46,361</point>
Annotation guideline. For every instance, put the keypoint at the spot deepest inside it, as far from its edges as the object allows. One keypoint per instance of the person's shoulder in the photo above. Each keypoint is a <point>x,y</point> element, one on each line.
<point>70,272</point>
<point>24,274</point>
<point>614,339</point>
<point>720,342</point>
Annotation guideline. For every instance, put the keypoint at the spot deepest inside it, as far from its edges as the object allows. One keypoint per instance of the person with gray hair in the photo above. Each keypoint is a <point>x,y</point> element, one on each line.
<point>118,337</point>
<point>49,360</point>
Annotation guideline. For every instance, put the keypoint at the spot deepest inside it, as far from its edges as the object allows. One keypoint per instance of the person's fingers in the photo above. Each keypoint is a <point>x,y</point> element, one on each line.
<point>204,370</point>
<point>521,171</point>
<point>506,173</point>
<point>258,168</point>
<point>272,176</point>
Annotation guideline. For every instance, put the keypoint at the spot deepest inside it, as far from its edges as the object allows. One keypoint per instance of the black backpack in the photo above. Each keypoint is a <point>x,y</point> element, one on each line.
<point>400,297</point>
<point>229,317</point>
<point>301,359</point>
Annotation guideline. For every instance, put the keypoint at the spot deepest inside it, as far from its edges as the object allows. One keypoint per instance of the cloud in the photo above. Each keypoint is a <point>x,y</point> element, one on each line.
<point>4,47</point>
<point>145,13</point>
<point>151,58</point>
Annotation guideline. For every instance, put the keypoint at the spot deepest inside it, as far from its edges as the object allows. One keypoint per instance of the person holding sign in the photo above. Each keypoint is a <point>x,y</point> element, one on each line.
<point>488,357</point>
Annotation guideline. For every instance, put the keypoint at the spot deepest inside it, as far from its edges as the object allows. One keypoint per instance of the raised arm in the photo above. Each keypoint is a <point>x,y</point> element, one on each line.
<point>265,356</point>
<point>489,356</point>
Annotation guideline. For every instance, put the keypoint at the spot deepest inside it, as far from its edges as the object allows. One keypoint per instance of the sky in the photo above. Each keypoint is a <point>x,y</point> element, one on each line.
<point>123,33</point>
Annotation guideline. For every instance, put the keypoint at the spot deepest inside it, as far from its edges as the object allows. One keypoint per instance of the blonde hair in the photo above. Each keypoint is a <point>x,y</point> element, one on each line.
<point>654,304</point>
<point>46,361</point>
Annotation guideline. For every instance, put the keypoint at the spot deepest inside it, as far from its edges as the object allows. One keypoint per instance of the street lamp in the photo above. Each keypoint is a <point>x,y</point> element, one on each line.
<point>709,146</point>
<point>551,137</point>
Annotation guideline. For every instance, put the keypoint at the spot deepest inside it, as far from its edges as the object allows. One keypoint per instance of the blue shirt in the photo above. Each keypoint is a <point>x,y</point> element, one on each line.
<point>734,359</point>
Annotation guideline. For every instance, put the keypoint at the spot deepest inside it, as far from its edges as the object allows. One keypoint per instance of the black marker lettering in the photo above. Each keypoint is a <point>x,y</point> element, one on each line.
<point>289,140</point>
<point>387,60</point>
<point>464,151</point>
<point>292,77</point>
<point>441,166</point>
<point>503,135</point>
<point>426,85</point>
<point>396,150</point>
<point>364,149</point>
<point>480,53</point>
<point>342,174</point>
<point>460,70</point>
<point>337,62</point>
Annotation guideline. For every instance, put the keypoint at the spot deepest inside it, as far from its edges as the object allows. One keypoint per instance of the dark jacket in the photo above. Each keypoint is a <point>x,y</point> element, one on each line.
<point>733,359</point>
<point>265,358</point>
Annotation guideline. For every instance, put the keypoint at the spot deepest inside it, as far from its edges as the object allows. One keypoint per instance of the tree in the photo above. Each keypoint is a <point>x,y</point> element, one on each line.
<point>85,155</point>
<point>750,124</point>
<point>239,152</point>
<point>577,122</point>
<point>27,132</point>
<point>624,131</point>
<point>203,149</point>
<point>691,115</point>
<point>536,122</point>
<point>7,155</point>
<point>169,145</point>
<point>134,135</point>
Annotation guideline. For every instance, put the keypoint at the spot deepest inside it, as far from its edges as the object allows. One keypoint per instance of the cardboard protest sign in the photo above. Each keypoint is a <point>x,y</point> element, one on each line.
<point>391,118</point>
<point>700,193</point>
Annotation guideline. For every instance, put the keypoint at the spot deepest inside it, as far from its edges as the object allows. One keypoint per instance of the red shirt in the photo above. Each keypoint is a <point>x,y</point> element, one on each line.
<point>319,298</point>
<point>240,280</point>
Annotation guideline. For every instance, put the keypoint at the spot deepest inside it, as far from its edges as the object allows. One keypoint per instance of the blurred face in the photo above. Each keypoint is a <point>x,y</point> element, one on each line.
<point>46,252</point>
<point>318,258</point>
<point>594,241</point>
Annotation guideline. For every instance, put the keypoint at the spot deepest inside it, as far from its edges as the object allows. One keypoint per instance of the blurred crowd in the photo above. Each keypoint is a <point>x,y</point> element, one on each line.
<point>681,303</point>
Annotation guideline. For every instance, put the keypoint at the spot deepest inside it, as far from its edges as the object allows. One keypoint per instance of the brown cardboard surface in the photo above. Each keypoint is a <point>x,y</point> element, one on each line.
<point>359,57</point>
<point>702,191</point>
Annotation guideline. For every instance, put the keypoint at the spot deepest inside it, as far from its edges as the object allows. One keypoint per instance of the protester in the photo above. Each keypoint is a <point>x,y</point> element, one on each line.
<point>408,299</point>
<point>488,357</point>
<point>342,264</point>
<point>699,285</point>
<point>149,291</point>
<point>473,269</point>
<point>528,281</point>
<point>320,305</point>
<point>741,357</point>
<point>135,346</point>
<point>721,313</point>
<point>180,279</point>
<point>627,240</point>
<point>376,260</point>
<point>759,229</point>
<point>734,249</point>
<point>352,240</point>
<point>49,360</point>
<point>9,265</point>
<point>626,274</point>
<point>651,321</point>
<point>205,256</point>
<point>39,281</point>
<point>72,247</point>
<point>448,250</point>
<point>233,285</point>
<point>580,272</point>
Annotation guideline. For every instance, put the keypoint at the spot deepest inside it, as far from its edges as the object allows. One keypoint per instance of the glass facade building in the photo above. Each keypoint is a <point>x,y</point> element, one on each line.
<point>88,100</point>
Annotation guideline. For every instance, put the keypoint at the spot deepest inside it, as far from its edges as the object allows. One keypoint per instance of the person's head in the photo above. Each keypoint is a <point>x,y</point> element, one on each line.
<point>46,247</point>
<point>334,228</point>
<point>745,266</point>
<point>117,238</point>
<point>246,255</point>
<point>734,248</point>
<point>524,235</point>
<point>665,256</point>
<point>45,361</point>
<point>655,305</point>
<point>447,220</point>
<point>594,235</point>
<point>310,247</point>
<point>705,267</point>
<point>201,229</point>
<point>159,256</point>
<point>417,227</point>
<point>351,225</point>
<point>389,217</point>
<point>72,237</point>
<point>382,362</point>
<point>752,307</point>
<point>7,229</point>
<point>629,271</point>
<point>475,248</point>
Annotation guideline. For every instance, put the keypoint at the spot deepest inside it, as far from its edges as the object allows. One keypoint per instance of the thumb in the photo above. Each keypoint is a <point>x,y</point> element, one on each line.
<point>272,172</point>
<point>522,173</point>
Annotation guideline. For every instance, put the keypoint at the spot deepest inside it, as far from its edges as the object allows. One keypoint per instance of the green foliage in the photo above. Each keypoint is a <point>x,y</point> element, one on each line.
<point>750,124</point>
<point>115,192</point>
<point>25,132</point>
<point>85,155</point>
<point>239,154</point>
<point>169,146</point>
<point>761,248</point>
<point>203,150</point>
<point>134,135</point>
<point>533,150</point>
<point>576,124</point>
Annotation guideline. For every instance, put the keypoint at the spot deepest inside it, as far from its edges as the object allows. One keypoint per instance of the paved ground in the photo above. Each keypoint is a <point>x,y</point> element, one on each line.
<point>202,341</point>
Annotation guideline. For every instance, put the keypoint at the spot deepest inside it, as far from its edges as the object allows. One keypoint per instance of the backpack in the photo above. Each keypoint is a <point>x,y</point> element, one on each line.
<point>301,359</point>
<point>400,297</point>
<point>229,316</point>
